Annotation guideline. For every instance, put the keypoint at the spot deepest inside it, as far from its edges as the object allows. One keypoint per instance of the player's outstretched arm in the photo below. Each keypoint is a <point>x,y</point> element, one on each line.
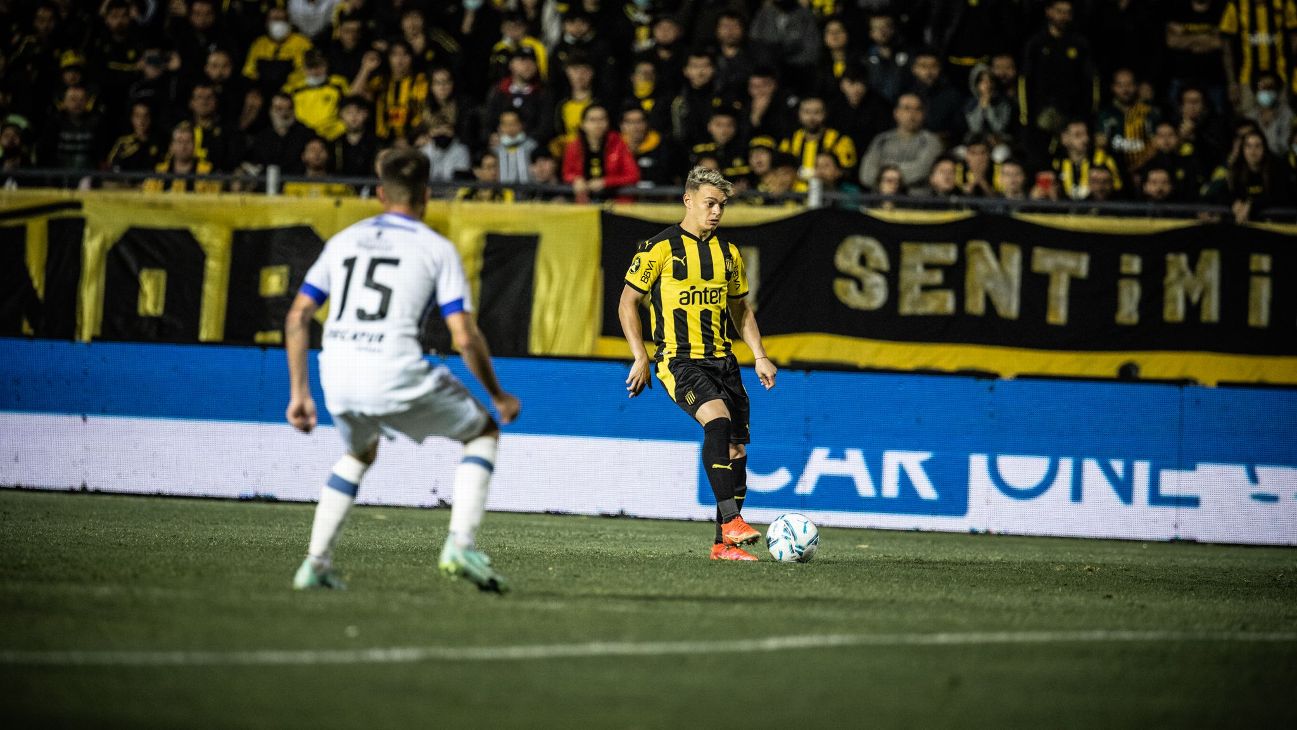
<point>297,338</point>
<point>477,356</point>
<point>751,334</point>
<point>628,313</point>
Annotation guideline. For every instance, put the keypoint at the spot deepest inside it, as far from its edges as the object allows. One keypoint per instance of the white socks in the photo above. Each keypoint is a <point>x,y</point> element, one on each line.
<point>472,477</point>
<point>335,501</point>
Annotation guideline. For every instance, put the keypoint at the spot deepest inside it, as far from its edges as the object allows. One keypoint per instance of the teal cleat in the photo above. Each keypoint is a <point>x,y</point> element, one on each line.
<point>472,565</point>
<point>310,577</point>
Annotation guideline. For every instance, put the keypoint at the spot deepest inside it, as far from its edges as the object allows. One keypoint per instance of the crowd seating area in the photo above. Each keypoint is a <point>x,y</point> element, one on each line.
<point>1169,103</point>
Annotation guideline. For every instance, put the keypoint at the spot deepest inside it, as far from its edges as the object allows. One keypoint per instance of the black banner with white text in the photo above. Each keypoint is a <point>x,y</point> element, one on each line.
<point>997,281</point>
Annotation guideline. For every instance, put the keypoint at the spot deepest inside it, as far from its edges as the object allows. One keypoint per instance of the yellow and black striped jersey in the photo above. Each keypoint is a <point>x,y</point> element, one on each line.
<point>689,283</point>
<point>317,106</point>
<point>1261,28</point>
<point>1073,175</point>
<point>805,148</point>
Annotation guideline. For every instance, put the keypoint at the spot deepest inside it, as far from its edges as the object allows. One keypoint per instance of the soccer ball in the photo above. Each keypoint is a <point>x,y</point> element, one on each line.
<point>792,538</point>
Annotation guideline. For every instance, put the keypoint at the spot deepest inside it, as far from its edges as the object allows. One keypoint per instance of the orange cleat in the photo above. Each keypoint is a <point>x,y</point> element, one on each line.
<point>739,532</point>
<point>721,551</point>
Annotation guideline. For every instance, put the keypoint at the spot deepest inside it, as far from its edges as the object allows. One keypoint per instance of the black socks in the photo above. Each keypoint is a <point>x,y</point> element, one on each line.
<point>740,490</point>
<point>720,471</point>
<point>728,477</point>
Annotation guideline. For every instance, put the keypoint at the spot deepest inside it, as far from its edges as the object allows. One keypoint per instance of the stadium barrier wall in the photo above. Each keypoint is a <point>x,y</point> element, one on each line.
<point>948,291</point>
<point>902,451</point>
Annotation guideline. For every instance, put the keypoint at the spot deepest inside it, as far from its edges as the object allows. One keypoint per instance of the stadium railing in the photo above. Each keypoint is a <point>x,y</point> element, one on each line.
<point>271,182</point>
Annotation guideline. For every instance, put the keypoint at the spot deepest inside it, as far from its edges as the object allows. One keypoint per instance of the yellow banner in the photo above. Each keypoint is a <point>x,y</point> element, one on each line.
<point>565,307</point>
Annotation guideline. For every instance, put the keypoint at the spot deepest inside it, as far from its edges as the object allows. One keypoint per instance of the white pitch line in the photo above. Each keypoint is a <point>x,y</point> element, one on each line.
<point>407,655</point>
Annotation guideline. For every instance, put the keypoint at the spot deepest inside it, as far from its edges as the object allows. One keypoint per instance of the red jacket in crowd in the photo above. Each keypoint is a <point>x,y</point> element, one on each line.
<point>619,166</point>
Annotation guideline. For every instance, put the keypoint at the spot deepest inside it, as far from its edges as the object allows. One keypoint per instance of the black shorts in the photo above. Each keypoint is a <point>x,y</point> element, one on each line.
<point>691,383</point>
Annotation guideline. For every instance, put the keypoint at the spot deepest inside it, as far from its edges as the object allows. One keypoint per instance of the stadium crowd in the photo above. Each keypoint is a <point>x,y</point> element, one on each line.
<point>1143,100</point>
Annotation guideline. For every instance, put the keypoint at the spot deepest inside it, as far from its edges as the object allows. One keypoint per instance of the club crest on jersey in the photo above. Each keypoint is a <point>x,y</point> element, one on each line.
<point>729,267</point>
<point>634,265</point>
<point>690,397</point>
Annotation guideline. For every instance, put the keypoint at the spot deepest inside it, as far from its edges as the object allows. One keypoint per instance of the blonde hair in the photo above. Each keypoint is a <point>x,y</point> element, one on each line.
<point>700,176</point>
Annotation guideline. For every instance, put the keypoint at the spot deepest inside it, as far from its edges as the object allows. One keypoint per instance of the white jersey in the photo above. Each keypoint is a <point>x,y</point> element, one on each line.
<point>382,276</point>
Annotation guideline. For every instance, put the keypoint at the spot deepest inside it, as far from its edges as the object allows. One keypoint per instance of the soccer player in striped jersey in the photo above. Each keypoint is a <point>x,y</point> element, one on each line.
<point>381,276</point>
<point>695,285</point>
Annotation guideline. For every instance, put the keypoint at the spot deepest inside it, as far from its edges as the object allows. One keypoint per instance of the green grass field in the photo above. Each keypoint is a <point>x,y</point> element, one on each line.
<point>149,612</point>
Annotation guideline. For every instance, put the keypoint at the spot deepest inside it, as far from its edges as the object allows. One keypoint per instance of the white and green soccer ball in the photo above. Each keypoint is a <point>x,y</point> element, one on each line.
<point>792,538</point>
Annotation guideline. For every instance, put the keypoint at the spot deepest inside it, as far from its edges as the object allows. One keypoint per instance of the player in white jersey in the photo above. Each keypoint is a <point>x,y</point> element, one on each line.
<point>381,277</point>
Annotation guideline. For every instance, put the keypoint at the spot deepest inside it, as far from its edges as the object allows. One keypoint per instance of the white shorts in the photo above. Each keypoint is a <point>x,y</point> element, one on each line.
<point>448,410</point>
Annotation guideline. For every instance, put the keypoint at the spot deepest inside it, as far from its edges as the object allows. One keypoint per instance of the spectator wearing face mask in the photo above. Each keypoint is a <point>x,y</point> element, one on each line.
<point>277,53</point>
<point>449,157</point>
<point>1257,39</point>
<point>317,96</point>
<point>1268,106</point>
<point>513,149</point>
